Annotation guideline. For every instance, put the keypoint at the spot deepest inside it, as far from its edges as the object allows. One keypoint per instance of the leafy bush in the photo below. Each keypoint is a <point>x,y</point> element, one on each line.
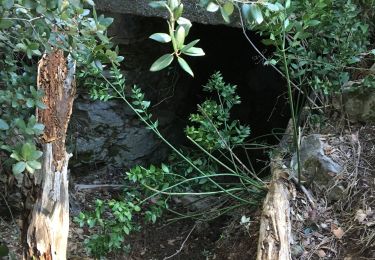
<point>195,174</point>
<point>30,28</point>
<point>324,41</point>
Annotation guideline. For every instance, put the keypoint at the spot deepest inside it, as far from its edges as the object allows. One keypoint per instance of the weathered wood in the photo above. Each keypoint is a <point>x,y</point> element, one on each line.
<point>275,234</point>
<point>275,226</point>
<point>45,229</point>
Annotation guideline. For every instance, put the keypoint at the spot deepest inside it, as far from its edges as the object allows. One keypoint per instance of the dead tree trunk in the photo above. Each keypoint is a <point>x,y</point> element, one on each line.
<point>275,226</point>
<point>46,225</point>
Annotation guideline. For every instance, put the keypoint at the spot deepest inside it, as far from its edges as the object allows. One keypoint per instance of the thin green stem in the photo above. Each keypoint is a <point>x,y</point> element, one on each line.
<point>291,105</point>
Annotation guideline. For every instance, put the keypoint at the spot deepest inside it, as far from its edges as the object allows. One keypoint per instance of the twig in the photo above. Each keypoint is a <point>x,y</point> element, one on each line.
<point>182,245</point>
<point>78,187</point>
<point>305,191</point>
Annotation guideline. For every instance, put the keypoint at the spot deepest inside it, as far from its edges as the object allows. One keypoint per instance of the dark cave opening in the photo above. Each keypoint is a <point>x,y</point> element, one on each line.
<point>174,94</point>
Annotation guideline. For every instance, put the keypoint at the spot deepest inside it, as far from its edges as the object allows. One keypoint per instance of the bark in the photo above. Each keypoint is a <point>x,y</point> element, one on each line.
<point>275,226</point>
<point>275,235</point>
<point>46,224</point>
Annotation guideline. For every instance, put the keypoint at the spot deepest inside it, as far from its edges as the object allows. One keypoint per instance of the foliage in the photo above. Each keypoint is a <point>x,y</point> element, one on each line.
<point>194,175</point>
<point>325,41</point>
<point>176,35</point>
<point>215,130</point>
<point>30,28</point>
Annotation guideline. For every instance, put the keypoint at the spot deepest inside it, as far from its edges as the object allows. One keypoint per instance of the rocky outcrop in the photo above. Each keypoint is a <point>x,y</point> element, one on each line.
<point>358,103</point>
<point>192,11</point>
<point>316,167</point>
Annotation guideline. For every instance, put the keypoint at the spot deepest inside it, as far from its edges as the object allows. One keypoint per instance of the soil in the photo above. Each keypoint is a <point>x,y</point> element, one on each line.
<point>339,226</point>
<point>223,238</point>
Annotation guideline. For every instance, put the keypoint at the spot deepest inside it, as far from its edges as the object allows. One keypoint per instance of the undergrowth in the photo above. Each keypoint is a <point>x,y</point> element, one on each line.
<point>210,173</point>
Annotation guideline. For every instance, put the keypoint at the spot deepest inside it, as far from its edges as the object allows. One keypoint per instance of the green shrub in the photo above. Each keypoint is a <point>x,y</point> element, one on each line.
<point>197,174</point>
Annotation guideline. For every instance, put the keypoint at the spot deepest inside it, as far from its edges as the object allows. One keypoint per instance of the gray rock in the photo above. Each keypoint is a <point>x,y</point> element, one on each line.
<point>316,167</point>
<point>358,103</point>
<point>192,11</point>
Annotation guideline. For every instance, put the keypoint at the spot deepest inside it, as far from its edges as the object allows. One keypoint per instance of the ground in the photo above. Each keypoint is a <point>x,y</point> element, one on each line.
<point>339,226</point>
<point>323,227</point>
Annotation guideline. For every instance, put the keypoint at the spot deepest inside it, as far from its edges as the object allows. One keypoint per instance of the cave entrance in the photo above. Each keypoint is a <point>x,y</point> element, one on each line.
<point>174,94</point>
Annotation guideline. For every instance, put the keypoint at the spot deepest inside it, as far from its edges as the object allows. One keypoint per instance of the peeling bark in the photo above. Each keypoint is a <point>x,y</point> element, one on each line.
<point>275,225</point>
<point>46,223</point>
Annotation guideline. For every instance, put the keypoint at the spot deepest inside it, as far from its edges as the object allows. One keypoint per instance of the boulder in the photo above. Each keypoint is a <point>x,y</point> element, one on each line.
<point>316,167</point>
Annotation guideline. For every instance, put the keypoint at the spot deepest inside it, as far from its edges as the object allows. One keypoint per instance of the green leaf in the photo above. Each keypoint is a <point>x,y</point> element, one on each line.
<point>18,167</point>
<point>5,23</point>
<point>287,3</point>
<point>164,168</point>
<point>372,52</point>
<point>185,66</point>
<point>178,11</point>
<point>15,156</point>
<point>212,7</point>
<point>90,2</point>
<point>7,4</point>
<point>163,62</point>
<point>27,151</point>
<point>228,8</point>
<point>188,46</point>
<point>3,125</point>
<point>224,15</point>
<point>161,37</point>
<point>98,65</point>
<point>4,251</point>
<point>194,51</point>
<point>34,164</point>
<point>29,169</point>
<point>312,23</point>
<point>173,4</point>
<point>35,155</point>
<point>256,13</point>
<point>38,128</point>
<point>180,36</point>
<point>185,23</point>
<point>245,9</point>
<point>273,7</point>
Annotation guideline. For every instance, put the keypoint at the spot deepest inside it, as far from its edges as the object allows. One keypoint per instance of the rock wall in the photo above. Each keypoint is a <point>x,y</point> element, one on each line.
<point>192,11</point>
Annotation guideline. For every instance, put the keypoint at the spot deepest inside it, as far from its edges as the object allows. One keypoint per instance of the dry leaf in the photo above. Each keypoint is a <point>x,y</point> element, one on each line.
<point>321,253</point>
<point>338,232</point>
<point>360,215</point>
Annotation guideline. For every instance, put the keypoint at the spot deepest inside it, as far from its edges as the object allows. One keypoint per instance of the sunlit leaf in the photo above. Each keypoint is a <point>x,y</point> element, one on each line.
<point>194,51</point>
<point>161,37</point>
<point>212,7</point>
<point>180,36</point>
<point>256,13</point>
<point>35,165</point>
<point>228,8</point>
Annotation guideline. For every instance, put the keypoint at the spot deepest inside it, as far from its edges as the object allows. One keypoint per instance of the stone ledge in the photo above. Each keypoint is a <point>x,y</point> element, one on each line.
<point>140,7</point>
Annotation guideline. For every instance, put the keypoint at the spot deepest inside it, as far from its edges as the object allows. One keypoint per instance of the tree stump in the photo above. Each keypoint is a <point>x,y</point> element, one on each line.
<point>46,223</point>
